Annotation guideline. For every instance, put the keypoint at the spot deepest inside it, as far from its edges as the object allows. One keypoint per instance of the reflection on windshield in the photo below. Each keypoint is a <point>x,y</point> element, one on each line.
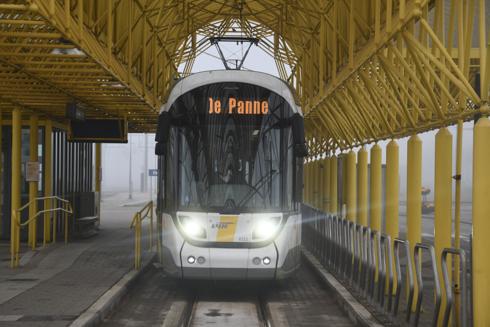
<point>240,170</point>
<point>232,162</point>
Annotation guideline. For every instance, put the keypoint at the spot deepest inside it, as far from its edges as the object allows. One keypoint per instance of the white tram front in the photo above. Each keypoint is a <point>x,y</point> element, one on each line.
<point>230,146</point>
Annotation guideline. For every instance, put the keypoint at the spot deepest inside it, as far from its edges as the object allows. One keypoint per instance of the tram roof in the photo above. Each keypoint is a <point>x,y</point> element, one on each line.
<point>264,80</point>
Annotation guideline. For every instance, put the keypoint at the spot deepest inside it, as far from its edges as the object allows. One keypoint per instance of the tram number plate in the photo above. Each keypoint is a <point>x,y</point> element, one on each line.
<point>226,228</point>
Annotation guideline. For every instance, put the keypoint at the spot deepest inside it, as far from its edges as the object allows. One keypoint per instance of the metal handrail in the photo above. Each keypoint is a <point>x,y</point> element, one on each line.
<point>387,269</point>
<point>420,283</point>
<point>399,281</point>
<point>136,224</point>
<point>17,225</point>
<point>449,288</point>
<point>370,262</point>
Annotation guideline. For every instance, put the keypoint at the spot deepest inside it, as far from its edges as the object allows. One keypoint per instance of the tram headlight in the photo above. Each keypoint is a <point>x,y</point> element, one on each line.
<point>192,227</point>
<point>266,227</point>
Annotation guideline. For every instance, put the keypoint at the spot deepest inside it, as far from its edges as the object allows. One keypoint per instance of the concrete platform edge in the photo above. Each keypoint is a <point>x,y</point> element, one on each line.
<point>356,311</point>
<point>101,308</point>
<point>179,314</point>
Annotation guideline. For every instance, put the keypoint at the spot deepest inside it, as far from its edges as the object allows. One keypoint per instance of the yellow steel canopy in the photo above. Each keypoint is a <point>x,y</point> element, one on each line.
<point>363,70</point>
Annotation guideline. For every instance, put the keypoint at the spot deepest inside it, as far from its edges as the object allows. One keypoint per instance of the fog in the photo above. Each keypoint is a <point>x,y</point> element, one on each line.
<point>116,157</point>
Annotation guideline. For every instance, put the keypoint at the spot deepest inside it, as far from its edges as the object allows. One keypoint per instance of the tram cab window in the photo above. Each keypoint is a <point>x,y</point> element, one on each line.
<point>230,162</point>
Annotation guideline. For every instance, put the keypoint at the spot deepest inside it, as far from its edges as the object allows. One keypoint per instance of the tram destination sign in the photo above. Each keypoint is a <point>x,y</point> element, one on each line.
<point>238,106</point>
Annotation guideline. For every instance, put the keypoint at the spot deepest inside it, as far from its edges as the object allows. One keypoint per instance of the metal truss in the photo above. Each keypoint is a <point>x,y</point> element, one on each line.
<point>363,70</point>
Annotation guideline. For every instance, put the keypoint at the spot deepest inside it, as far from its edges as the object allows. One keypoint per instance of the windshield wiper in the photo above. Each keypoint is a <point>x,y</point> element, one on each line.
<point>255,189</point>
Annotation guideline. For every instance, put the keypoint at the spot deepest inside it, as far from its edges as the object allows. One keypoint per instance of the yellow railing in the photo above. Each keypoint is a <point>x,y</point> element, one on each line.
<point>136,224</point>
<point>57,204</point>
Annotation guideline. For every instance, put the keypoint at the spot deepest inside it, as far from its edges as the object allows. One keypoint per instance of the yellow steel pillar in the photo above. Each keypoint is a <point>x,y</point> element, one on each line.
<point>307,182</point>
<point>333,185</point>
<point>16,168</point>
<point>481,223</point>
<point>312,183</point>
<point>326,185</point>
<point>48,182</point>
<point>319,184</point>
<point>33,185</point>
<point>98,167</point>
<point>362,188</point>
<point>443,200</point>
<point>457,220</point>
<point>1,161</point>
<point>98,172</point>
<point>392,194</point>
<point>392,189</point>
<point>375,189</point>
<point>351,182</point>
<point>343,202</point>
<point>414,196</point>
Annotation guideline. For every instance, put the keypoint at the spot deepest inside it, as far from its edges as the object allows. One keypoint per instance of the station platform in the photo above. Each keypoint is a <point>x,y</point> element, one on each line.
<point>57,284</point>
<point>60,285</point>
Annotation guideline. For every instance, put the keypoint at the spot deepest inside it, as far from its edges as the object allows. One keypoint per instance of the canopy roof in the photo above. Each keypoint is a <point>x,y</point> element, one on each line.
<point>362,70</point>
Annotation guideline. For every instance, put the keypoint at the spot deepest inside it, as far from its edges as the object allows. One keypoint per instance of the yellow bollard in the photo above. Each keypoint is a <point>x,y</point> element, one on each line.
<point>362,189</point>
<point>48,183</point>
<point>333,186</point>
<point>392,194</point>
<point>414,197</point>
<point>326,185</point>
<point>481,223</point>
<point>33,186</point>
<point>351,182</point>
<point>375,189</point>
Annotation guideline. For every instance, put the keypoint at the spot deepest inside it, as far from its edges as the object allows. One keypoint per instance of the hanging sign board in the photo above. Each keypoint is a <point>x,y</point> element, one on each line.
<point>32,171</point>
<point>99,131</point>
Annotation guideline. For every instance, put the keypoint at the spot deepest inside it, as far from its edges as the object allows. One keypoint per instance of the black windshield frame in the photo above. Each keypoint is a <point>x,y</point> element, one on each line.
<point>189,108</point>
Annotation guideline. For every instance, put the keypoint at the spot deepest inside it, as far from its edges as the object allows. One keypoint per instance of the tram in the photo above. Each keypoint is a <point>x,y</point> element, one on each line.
<point>230,147</point>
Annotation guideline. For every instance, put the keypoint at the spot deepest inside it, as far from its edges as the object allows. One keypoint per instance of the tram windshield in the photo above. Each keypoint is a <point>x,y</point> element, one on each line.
<point>231,162</point>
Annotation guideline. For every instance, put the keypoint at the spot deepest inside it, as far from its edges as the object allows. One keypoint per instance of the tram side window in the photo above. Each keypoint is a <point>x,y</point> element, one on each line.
<point>161,183</point>
<point>170,172</point>
<point>188,197</point>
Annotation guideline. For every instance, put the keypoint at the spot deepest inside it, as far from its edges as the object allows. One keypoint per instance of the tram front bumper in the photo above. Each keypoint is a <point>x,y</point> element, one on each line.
<point>229,263</point>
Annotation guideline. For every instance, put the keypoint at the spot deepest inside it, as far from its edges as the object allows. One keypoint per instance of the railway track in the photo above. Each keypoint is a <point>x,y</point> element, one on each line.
<point>157,300</point>
<point>226,313</point>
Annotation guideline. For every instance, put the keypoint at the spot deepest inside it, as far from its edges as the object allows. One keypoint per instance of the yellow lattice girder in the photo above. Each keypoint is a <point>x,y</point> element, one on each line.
<point>362,70</point>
